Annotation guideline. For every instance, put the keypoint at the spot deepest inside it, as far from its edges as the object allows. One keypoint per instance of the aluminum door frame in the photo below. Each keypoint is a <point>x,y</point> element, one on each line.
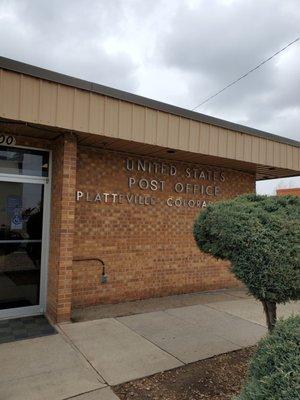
<point>41,307</point>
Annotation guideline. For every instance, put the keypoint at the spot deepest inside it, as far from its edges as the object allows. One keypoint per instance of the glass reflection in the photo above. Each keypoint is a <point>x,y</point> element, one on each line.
<point>21,215</point>
<point>23,161</point>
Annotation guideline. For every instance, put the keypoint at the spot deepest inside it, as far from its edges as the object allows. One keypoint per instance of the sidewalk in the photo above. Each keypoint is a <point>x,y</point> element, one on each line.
<point>87,357</point>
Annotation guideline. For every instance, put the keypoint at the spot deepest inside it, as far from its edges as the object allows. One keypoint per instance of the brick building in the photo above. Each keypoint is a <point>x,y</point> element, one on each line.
<point>99,190</point>
<point>288,191</point>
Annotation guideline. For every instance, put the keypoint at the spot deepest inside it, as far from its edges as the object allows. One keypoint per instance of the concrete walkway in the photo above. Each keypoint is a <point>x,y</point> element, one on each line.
<point>87,357</point>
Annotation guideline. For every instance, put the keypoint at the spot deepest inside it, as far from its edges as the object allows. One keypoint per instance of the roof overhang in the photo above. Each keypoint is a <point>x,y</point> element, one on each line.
<point>41,103</point>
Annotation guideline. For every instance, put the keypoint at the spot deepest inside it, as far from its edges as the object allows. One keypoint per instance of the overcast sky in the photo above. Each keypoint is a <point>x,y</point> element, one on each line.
<point>177,51</point>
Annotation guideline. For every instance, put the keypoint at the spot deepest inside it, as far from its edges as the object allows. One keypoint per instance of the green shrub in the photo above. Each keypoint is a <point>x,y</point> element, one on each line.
<point>274,372</point>
<point>260,235</point>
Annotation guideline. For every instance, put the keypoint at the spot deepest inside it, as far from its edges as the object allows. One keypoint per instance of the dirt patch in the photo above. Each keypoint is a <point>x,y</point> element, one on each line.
<point>217,378</point>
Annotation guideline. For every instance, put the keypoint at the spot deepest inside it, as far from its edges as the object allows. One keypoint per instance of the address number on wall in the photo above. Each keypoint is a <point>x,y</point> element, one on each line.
<point>7,140</point>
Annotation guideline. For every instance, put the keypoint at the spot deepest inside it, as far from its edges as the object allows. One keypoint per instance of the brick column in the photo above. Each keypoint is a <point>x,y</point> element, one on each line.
<point>62,228</point>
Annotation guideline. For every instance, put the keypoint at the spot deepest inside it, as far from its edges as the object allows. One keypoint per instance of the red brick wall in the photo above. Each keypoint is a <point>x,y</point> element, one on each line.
<point>288,191</point>
<point>149,250</point>
<point>62,228</point>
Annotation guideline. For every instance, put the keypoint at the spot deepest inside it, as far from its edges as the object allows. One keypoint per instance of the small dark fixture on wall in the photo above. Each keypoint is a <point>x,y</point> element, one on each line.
<point>103,278</point>
<point>103,275</point>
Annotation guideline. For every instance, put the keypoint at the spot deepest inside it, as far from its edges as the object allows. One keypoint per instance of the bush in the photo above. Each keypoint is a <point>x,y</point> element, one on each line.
<point>274,372</point>
<point>260,235</point>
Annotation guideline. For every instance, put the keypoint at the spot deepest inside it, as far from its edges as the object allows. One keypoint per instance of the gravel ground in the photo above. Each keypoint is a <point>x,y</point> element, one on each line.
<point>217,378</point>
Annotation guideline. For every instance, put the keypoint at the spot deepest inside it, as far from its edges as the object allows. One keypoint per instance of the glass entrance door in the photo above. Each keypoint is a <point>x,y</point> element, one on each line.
<point>21,227</point>
<point>24,225</point>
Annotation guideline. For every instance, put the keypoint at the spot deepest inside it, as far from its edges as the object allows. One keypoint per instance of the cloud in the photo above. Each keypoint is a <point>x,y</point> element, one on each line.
<point>225,40</point>
<point>178,51</point>
<point>215,42</point>
<point>67,36</point>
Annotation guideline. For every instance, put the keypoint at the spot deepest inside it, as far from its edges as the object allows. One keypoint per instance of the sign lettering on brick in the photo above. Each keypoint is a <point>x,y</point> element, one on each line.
<point>207,185</point>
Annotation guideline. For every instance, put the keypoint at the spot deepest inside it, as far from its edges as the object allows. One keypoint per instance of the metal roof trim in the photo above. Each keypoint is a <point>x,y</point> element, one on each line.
<point>37,72</point>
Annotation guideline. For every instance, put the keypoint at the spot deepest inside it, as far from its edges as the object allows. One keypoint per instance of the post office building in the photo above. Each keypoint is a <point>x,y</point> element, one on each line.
<point>99,190</point>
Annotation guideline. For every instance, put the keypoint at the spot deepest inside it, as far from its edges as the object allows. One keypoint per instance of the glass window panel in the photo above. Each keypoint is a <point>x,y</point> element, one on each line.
<point>23,161</point>
<point>21,221</point>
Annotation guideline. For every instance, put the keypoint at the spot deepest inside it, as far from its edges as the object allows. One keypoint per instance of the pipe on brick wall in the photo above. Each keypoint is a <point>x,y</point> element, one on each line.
<point>103,278</point>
